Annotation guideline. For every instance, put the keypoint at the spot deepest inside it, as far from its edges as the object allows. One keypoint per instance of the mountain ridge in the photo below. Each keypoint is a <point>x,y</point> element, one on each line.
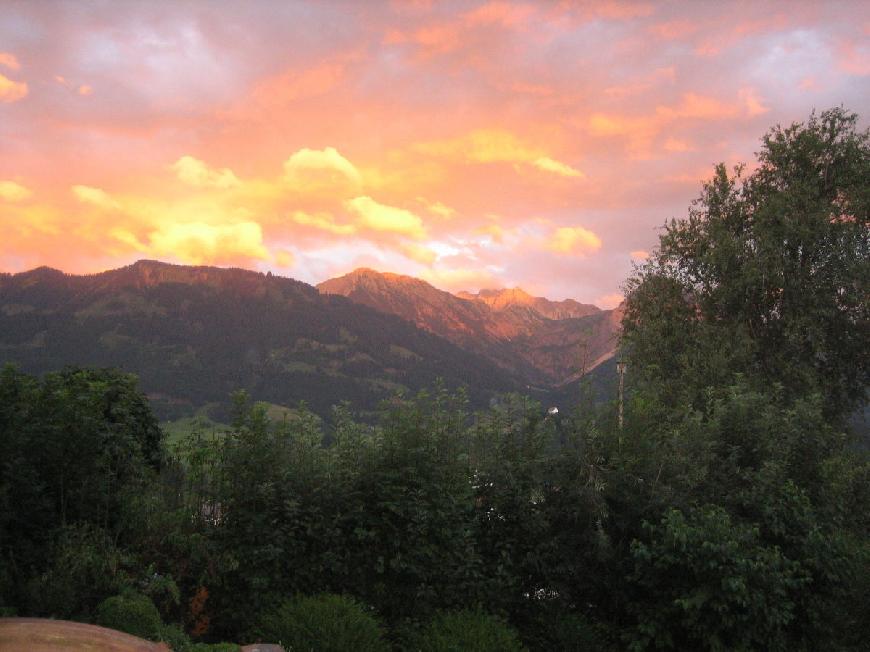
<point>551,342</point>
<point>196,334</point>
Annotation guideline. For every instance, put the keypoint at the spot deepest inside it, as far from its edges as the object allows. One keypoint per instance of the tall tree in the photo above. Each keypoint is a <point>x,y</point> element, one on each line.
<point>769,273</point>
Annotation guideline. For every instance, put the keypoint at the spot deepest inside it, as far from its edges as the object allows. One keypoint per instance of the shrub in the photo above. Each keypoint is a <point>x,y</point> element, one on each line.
<point>132,613</point>
<point>468,631</point>
<point>323,623</point>
<point>212,647</point>
<point>174,637</point>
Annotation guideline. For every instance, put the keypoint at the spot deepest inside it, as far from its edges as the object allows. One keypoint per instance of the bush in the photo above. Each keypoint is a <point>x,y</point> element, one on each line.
<point>468,631</point>
<point>323,623</point>
<point>211,647</point>
<point>132,613</point>
<point>174,637</point>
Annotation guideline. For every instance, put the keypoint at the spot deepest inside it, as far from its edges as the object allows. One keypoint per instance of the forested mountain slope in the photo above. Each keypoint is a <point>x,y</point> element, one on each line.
<point>196,334</point>
<point>548,342</point>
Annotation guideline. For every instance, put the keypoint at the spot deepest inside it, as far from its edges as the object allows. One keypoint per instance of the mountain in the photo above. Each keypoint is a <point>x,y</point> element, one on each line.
<point>195,334</point>
<point>547,342</point>
<point>517,298</point>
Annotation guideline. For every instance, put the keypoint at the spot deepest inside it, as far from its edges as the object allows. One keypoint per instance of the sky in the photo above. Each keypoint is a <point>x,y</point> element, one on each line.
<point>472,144</point>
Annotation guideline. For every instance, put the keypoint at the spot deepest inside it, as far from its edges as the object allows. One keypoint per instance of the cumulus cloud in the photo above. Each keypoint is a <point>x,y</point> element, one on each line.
<point>201,243</point>
<point>323,222</point>
<point>573,240</point>
<point>194,172</point>
<point>439,209</point>
<point>11,191</point>
<point>12,91</point>
<point>380,217</point>
<point>319,166</point>
<point>95,197</point>
<point>549,165</point>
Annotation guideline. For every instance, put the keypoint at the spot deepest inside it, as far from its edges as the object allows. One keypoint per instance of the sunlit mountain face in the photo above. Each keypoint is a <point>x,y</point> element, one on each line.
<point>473,145</point>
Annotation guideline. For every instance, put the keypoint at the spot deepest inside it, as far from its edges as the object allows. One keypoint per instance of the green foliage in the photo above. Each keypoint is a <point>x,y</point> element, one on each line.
<point>323,623</point>
<point>132,613</point>
<point>768,274</point>
<point>567,632</point>
<point>175,638</point>
<point>75,446</point>
<point>474,631</point>
<point>84,566</point>
<point>407,514</point>
<point>704,582</point>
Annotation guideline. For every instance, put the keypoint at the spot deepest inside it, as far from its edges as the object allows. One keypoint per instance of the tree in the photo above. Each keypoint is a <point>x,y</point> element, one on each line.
<point>769,274</point>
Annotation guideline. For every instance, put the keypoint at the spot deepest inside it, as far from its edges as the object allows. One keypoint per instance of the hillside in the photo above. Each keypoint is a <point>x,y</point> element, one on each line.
<point>548,342</point>
<point>195,334</point>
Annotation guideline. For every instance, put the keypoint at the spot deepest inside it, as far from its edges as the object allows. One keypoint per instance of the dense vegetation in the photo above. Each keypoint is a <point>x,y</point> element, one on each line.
<point>731,511</point>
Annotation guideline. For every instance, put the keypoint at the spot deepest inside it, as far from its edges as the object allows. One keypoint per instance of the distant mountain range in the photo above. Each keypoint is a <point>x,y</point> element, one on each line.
<point>547,342</point>
<point>195,334</point>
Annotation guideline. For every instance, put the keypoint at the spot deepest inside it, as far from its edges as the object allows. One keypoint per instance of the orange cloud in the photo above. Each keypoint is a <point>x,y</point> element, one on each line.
<point>419,253</point>
<point>496,146</point>
<point>200,243</point>
<point>494,231</point>
<point>296,85</point>
<point>853,59</point>
<point>639,254</point>
<point>323,222</point>
<point>95,197</point>
<point>9,60</point>
<point>380,217</point>
<point>547,164</point>
<point>284,258</point>
<point>673,29</point>
<point>317,168</point>
<point>752,102</point>
<point>194,172</point>
<point>648,82</point>
<point>14,192</point>
<point>640,131</point>
<point>696,106</point>
<point>12,91</point>
<point>448,36</point>
<point>573,240</point>
<point>676,145</point>
<point>439,209</point>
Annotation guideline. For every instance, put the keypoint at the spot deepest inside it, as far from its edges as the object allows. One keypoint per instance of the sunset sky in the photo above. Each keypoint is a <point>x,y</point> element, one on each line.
<point>472,144</point>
